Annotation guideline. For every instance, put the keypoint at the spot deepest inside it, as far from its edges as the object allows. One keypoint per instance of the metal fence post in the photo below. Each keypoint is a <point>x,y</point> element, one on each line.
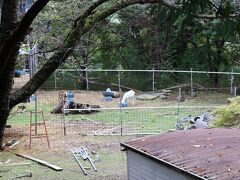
<point>232,83</point>
<point>55,79</point>
<point>178,105</point>
<point>192,83</point>
<point>120,100</point>
<point>63,115</point>
<point>36,117</point>
<point>33,66</point>
<point>64,123</point>
<point>87,78</point>
<point>235,91</point>
<point>153,80</point>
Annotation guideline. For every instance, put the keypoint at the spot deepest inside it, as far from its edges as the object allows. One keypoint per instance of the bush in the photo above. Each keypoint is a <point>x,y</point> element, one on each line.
<point>228,116</point>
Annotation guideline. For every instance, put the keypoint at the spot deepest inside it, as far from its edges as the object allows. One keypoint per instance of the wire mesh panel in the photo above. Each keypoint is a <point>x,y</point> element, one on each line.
<point>128,121</point>
<point>18,118</point>
<point>187,114</point>
<point>92,121</point>
<point>46,101</point>
<point>142,115</point>
<point>148,120</point>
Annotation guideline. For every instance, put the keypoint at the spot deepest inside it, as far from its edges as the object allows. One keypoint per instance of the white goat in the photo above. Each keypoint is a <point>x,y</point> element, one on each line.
<point>128,95</point>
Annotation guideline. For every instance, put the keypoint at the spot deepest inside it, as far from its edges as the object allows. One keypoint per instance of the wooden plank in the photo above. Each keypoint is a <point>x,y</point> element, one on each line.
<point>45,163</point>
<point>16,164</point>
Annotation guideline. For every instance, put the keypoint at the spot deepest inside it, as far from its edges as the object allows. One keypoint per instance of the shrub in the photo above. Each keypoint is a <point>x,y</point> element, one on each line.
<point>228,116</point>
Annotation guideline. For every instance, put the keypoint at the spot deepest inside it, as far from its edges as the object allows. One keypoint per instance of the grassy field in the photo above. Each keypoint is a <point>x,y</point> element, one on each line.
<point>162,117</point>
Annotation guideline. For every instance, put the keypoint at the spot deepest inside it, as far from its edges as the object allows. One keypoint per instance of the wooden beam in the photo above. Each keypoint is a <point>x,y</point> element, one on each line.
<point>45,163</point>
<point>16,164</point>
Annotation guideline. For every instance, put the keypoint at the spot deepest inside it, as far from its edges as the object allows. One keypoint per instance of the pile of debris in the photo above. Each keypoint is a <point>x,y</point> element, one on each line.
<point>193,122</point>
<point>66,101</point>
<point>80,108</point>
<point>162,94</point>
<point>82,153</point>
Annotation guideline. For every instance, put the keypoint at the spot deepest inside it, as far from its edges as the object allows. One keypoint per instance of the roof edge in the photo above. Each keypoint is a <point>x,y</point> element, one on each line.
<point>161,161</point>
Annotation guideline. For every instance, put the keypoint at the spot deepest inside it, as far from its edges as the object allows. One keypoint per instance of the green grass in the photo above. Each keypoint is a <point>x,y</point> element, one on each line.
<point>135,120</point>
<point>141,120</point>
<point>24,117</point>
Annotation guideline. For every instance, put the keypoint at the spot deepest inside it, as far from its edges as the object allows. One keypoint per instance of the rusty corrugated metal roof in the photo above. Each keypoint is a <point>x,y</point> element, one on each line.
<point>208,153</point>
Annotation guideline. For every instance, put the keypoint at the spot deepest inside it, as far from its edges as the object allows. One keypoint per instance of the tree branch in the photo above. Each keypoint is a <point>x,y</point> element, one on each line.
<point>9,46</point>
<point>89,11</point>
<point>82,26</point>
<point>214,16</point>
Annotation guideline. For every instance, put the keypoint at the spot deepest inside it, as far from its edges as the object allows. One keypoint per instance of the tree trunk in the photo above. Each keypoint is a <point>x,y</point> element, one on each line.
<point>212,67</point>
<point>218,59</point>
<point>12,34</point>
<point>8,23</point>
<point>1,3</point>
<point>214,62</point>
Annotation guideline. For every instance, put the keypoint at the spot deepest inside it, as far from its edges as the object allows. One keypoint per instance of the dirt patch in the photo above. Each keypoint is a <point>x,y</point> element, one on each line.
<point>20,81</point>
<point>96,97</point>
<point>109,159</point>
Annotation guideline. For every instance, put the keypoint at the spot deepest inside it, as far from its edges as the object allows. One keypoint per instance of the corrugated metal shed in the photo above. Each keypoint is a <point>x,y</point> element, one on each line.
<point>207,153</point>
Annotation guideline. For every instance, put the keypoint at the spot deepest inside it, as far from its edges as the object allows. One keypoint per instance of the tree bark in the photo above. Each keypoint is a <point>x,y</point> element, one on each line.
<point>12,34</point>
<point>218,59</point>
<point>8,22</point>
<point>210,63</point>
<point>214,62</point>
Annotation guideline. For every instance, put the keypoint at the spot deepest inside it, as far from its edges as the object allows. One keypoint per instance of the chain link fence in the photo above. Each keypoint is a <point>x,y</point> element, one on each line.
<point>142,80</point>
<point>201,92</point>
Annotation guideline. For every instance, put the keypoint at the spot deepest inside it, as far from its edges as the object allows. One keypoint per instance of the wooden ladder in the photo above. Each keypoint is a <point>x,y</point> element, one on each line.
<point>33,128</point>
